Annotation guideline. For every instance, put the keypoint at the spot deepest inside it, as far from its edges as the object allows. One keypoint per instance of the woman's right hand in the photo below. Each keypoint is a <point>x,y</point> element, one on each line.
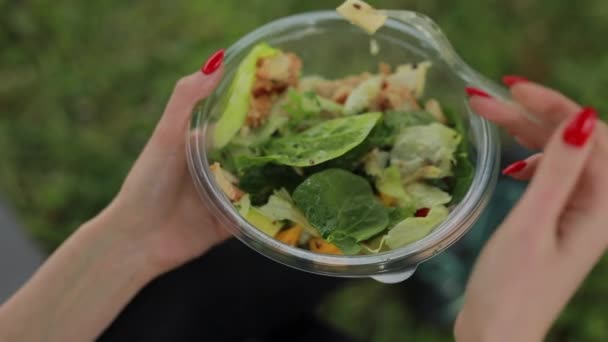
<point>557,232</point>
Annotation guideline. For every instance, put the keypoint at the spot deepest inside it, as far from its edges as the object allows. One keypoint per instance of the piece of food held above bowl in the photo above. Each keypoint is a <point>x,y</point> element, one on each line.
<point>356,165</point>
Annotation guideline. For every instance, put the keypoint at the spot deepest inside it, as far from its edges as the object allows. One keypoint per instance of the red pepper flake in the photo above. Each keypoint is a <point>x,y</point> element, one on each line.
<point>423,212</point>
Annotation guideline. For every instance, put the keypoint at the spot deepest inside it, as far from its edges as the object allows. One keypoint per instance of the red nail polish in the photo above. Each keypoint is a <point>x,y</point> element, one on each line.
<point>471,91</point>
<point>580,128</point>
<point>511,80</point>
<point>515,167</point>
<point>213,63</point>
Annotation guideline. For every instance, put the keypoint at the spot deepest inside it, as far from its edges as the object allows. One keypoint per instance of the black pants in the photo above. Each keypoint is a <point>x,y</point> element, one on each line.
<point>230,294</point>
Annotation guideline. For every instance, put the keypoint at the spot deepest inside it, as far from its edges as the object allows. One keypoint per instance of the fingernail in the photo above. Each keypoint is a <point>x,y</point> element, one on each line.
<point>511,80</point>
<point>580,128</point>
<point>213,63</point>
<point>471,91</point>
<point>515,167</point>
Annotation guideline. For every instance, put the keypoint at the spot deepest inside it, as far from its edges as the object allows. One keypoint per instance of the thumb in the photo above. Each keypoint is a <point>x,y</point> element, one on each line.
<point>188,91</point>
<point>163,158</point>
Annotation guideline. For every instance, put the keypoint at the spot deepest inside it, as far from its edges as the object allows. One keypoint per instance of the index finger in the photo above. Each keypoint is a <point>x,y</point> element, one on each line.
<point>558,173</point>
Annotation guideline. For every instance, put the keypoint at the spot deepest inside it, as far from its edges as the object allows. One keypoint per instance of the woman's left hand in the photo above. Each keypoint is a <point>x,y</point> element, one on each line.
<point>158,207</point>
<point>156,223</point>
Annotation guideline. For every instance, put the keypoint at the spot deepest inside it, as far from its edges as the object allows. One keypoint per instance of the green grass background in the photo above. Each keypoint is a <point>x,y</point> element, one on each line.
<point>82,84</point>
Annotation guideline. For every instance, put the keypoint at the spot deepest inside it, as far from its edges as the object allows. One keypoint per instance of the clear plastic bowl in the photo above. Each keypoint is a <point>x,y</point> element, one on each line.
<point>331,47</point>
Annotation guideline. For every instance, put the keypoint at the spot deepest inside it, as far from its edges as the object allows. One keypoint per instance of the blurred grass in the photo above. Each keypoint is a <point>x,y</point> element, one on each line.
<point>82,84</point>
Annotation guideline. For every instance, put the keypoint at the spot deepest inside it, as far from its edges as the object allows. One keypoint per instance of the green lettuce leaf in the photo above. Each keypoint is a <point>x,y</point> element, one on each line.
<point>280,207</point>
<point>342,206</point>
<point>389,183</point>
<point>425,151</point>
<point>393,122</point>
<point>238,96</point>
<point>427,196</point>
<point>325,141</point>
<point>257,218</point>
<point>415,228</point>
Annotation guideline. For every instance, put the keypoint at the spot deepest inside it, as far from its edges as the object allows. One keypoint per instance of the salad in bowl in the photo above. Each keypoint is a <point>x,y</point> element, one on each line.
<point>354,165</point>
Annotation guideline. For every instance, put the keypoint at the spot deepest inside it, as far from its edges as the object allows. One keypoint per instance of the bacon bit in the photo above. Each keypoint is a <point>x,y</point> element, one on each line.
<point>357,6</point>
<point>223,179</point>
<point>423,212</point>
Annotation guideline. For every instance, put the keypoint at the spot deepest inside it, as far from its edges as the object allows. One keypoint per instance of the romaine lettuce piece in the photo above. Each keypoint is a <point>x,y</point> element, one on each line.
<point>238,96</point>
<point>415,228</point>
<point>325,141</point>
<point>425,151</point>
<point>342,206</point>
<point>427,196</point>
<point>262,222</point>
<point>257,218</point>
<point>389,183</point>
<point>280,207</point>
<point>243,205</point>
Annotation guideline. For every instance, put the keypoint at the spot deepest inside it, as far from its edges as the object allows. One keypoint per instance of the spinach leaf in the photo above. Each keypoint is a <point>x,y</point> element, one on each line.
<point>398,214</point>
<point>463,171</point>
<point>342,206</point>
<point>260,182</point>
<point>463,177</point>
<point>325,141</point>
<point>383,134</point>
